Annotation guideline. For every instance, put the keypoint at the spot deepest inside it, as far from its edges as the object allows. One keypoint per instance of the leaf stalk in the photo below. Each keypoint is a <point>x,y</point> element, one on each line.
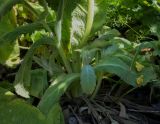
<point>90,18</point>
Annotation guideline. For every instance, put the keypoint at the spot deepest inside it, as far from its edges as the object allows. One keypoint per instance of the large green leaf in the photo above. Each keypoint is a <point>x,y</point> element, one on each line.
<point>55,115</point>
<point>38,82</point>
<point>22,81</point>
<point>88,79</point>
<point>16,111</point>
<point>117,66</point>
<point>55,91</point>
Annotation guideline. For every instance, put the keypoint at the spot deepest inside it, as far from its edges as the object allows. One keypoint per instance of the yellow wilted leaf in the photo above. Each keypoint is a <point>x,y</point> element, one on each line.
<point>140,80</point>
<point>139,66</point>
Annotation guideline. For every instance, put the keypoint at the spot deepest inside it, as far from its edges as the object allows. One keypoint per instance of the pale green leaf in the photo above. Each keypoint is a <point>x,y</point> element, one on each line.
<point>21,90</point>
<point>38,35</point>
<point>88,79</point>
<point>78,25</point>
<point>69,7</point>
<point>81,26</point>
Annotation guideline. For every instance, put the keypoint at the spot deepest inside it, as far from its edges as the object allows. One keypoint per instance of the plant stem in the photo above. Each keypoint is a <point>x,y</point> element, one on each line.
<point>64,58</point>
<point>76,64</point>
<point>90,18</point>
<point>13,17</point>
<point>134,59</point>
<point>58,31</point>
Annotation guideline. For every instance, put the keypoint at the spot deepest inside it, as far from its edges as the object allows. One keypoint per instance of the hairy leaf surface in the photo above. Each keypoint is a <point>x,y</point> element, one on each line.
<point>16,111</point>
<point>55,91</point>
<point>55,115</point>
<point>22,81</point>
<point>88,79</point>
<point>38,82</point>
<point>117,66</point>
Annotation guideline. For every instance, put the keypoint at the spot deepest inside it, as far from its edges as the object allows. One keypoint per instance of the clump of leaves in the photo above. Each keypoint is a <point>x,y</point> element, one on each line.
<point>79,55</point>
